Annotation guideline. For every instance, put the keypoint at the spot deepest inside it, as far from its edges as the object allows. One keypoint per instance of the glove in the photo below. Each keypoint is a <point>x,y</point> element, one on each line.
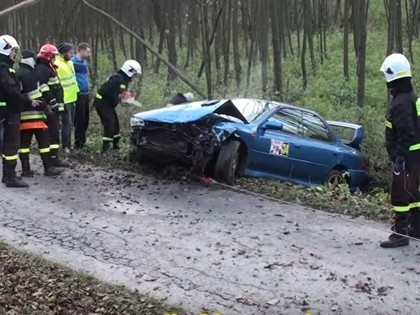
<point>399,165</point>
<point>48,111</point>
<point>36,103</point>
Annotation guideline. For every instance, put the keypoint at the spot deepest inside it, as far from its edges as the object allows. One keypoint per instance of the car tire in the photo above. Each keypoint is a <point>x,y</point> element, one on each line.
<point>227,162</point>
<point>335,178</point>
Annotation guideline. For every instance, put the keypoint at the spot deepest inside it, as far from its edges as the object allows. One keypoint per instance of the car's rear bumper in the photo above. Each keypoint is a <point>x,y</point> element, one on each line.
<point>358,179</point>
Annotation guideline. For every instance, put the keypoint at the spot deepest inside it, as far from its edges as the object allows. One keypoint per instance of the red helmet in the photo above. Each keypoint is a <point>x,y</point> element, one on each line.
<point>48,52</point>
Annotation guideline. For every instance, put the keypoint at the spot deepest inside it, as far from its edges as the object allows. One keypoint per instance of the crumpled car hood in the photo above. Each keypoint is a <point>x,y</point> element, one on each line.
<point>191,112</point>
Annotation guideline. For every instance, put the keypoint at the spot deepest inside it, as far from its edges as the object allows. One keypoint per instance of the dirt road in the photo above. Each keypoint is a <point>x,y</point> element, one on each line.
<point>210,248</point>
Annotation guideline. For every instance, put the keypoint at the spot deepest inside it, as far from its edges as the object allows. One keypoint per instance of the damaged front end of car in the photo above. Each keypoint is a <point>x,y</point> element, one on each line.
<point>189,135</point>
<point>192,144</point>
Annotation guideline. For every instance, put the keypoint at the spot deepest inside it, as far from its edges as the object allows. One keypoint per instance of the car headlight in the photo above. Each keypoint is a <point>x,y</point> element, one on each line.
<point>136,122</point>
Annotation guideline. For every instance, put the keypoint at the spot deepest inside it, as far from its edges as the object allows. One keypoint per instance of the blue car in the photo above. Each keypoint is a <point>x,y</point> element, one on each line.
<point>250,137</point>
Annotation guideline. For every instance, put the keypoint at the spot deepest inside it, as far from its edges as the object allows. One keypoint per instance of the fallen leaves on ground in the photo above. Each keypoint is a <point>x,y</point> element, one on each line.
<point>32,285</point>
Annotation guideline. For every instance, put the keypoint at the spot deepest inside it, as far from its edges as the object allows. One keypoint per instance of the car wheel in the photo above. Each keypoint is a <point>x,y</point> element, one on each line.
<point>227,162</point>
<point>336,178</point>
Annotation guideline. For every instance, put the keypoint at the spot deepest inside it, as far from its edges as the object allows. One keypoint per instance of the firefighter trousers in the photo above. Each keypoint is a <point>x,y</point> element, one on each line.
<point>110,123</point>
<point>53,122</point>
<point>405,198</point>
<point>43,139</point>
<point>11,144</point>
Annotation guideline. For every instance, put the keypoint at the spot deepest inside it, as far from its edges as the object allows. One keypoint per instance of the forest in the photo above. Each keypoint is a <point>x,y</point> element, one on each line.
<point>320,54</point>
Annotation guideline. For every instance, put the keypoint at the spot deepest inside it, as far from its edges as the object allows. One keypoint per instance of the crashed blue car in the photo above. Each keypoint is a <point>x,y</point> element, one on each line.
<point>250,137</point>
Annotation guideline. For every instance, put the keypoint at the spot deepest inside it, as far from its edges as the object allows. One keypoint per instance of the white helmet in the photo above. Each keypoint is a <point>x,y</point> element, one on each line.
<point>396,66</point>
<point>7,44</point>
<point>131,67</point>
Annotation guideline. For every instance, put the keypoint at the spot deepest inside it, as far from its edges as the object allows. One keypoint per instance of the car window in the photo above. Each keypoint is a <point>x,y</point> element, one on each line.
<point>315,128</point>
<point>252,109</point>
<point>291,120</point>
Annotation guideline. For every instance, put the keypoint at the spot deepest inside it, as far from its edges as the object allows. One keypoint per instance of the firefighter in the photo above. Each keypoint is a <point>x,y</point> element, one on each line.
<point>32,120</point>
<point>52,94</point>
<point>12,101</point>
<point>402,138</point>
<point>107,99</point>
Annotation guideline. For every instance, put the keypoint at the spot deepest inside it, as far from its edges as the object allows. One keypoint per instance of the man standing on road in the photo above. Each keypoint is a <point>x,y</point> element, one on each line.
<point>32,120</point>
<point>403,145</point>
<point>52,93</point>
<point>67,76</point>
<point>82,103</point>
<point>12,101</point>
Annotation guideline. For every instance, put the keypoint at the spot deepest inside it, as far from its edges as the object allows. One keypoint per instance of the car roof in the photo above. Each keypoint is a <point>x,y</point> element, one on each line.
<point>278,103</point>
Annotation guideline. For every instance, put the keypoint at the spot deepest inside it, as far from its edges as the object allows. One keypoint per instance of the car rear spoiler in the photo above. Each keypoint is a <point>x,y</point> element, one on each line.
<point>358,132</point>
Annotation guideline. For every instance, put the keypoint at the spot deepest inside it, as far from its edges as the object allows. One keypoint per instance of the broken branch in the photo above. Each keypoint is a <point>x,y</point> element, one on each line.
<point>18,6</point>
<point>151,49</point>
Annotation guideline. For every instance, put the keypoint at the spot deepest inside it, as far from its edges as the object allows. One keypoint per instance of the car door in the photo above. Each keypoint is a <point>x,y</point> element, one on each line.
<point>275,148</point>
<point>317,152</point>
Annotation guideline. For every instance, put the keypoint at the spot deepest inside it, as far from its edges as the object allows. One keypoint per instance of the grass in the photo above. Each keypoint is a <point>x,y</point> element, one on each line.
<point>30,285</point>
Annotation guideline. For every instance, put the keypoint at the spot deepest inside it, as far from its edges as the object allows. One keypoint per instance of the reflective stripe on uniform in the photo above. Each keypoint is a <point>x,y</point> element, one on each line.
<point>123,86</point>
<point>34,94</point>
<point>24,150</point>
<point>407,208</point>
<point>117,136</point>
<point>44,150</point>
<point>98,96</point>
<point>10,157</point>
<point>2,104</point>
<point>12,70</point>
<point>415,147</point>
<point>44,87</point>
<point>388,124</point>
<point>54,146</point>
<point>107,139</point>
<point>53,81</point>
<point>402,208</point>
<point>32,115</point>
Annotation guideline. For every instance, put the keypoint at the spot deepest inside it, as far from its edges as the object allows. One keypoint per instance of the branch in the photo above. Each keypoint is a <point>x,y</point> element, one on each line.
<point>18,6</point>
<point>151,49</point>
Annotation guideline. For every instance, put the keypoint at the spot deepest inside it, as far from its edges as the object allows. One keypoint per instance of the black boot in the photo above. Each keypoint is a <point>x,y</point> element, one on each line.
<point>49,170</point>
<point>57,162</point>
<point>105,146</point>
<point>52,171</point>
<point>26,166</point>
<point>11,180</point>
<point>116,144</point>
<point>400,227</point>
<point>414,226</point>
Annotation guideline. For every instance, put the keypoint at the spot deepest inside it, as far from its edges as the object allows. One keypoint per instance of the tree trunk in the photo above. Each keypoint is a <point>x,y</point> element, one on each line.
<point>274,4</point>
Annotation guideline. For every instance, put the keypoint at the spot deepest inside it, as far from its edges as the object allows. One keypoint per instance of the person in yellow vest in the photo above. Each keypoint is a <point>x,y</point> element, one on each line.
<point>67,76</point>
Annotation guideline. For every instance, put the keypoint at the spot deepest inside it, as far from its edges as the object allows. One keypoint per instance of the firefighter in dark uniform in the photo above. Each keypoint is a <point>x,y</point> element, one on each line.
<point>52,94</point>
<point>33,119</point>
<point>12,101</point>
<point>107,99</point>
<point>403,146</point>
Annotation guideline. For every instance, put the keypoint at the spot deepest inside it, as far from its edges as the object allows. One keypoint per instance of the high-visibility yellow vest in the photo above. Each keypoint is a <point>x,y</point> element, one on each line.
<point>67,76</point>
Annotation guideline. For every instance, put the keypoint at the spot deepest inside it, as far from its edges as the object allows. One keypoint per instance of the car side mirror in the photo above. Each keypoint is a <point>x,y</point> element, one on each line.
<point>273,124</point>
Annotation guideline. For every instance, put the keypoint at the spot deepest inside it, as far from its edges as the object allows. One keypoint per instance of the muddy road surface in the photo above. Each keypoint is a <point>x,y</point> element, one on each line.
<point>207,248</point>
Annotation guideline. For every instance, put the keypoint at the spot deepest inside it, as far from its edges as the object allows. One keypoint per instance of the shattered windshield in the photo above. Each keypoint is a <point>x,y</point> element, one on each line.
<point>252,109</point>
